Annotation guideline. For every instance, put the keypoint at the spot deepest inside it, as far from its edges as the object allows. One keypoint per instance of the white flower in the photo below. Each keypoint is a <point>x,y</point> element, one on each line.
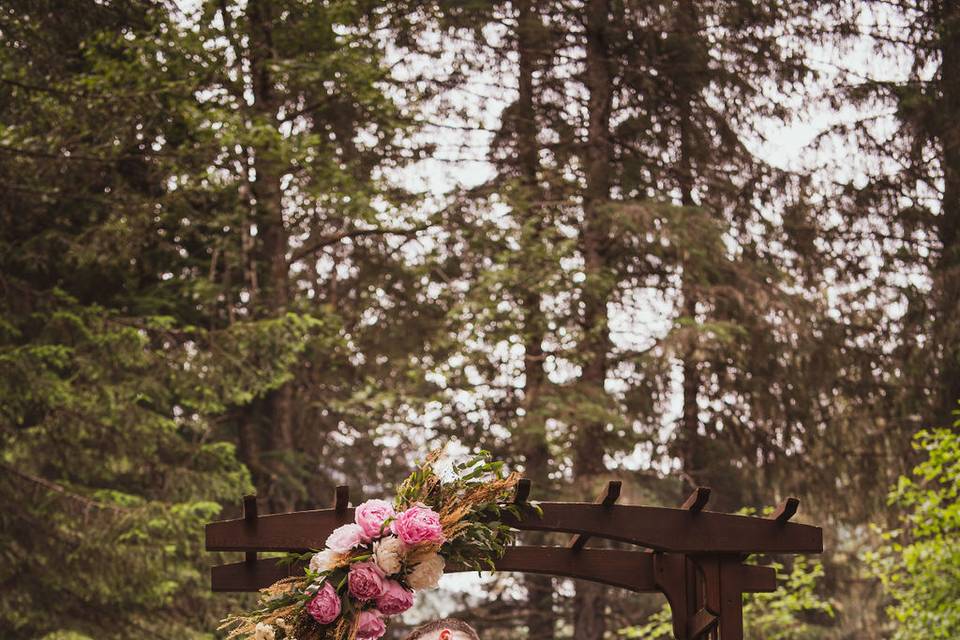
<point>388,554</point>
<point>426,575</point>
<point>325,560</point>
<point>264,632</point>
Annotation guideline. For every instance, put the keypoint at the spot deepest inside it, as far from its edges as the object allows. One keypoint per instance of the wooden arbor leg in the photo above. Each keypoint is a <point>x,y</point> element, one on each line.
<point>724,583</point>
<point>731,594</point>
<point>670,576</point>
<point>705,593</point>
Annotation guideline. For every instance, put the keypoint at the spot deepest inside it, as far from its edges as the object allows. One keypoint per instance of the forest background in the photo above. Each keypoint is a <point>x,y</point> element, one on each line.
<point>285,245</point>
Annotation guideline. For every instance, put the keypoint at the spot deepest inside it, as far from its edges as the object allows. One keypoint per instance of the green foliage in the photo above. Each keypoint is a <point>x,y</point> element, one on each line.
<point>919,563</point>
<point>787,613</point>
<point>784,614</point>
<point>115,374</point>
<point>481,488</point>
<point>107,454</point>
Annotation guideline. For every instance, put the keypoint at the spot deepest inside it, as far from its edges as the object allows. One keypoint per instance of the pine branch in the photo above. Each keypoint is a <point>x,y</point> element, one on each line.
<point>326,241</point>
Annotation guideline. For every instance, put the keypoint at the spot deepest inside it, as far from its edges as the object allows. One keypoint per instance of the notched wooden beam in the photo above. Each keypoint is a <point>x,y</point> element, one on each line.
<point>341,498</point>
<point>608,498</point>
<point>250,507</point>
<point>786,510</point>
<point>657,528</point>
<point>523,491</point>
<point>612,493</point>
<point>697,500</point>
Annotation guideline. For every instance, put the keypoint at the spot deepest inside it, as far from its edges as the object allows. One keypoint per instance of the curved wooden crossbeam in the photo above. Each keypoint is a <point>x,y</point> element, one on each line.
<point>658,528</point>
<point>632,570</point>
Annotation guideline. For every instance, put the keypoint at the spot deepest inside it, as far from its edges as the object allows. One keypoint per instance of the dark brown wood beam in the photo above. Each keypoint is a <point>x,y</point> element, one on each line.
<point>632,570</point>
<point>697,500</point>
<point>786,510</point>
<point>658,528</point>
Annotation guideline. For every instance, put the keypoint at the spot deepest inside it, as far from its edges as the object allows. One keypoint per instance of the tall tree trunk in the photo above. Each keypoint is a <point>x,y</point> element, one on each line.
<point>690,455</point>
<point>532,431</point>
<point>947,269</point>
<point>590,601</point>
<point>272,255</point>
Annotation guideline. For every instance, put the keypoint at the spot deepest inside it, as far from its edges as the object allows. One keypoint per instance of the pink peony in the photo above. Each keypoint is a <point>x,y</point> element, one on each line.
<point>325,606</point>
<point>418,524</point>
<point>371,515</point>
<point>345,538</point>
<point>370,625</point>
<point>366,581</point>
<point>395,599</point>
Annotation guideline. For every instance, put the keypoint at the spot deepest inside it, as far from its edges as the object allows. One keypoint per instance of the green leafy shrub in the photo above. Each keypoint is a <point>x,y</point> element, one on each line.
<point>919,564</point>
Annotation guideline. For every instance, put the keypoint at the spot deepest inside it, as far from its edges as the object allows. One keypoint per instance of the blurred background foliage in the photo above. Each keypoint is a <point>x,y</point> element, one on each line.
<point>281,245</point>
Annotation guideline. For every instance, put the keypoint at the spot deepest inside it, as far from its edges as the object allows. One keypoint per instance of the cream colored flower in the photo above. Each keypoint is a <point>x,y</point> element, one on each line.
<point>388,554</point>
<point>264,632</point>
<point>325,560</point>
<point>419,553</point>
<point>426,574</point>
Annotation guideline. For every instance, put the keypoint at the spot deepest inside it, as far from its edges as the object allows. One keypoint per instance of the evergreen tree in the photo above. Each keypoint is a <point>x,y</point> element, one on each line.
<point>904,208</point>
<point>893,234</point>
<point>311,124</point>
<point>110,379</point>
<point>201,245</point>
<point>645,184</point>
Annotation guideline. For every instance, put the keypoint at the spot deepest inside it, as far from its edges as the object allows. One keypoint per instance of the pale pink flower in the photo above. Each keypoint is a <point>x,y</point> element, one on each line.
<point>325,606</point>
<point>371,515</point>
<point>365,581</point>
<point>417,525</point>
<point>370,625</point>
<point>345,538</point>
<point>395,599</point>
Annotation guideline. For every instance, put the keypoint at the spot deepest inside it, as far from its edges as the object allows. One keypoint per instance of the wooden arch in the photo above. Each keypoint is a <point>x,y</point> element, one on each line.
<point>694,557</point>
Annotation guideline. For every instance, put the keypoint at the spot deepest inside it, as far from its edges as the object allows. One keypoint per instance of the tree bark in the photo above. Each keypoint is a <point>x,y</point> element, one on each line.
<point>590,601</point>
<point>690,456</point>
<point>273,297</point>
<point>533,441</point>
<point>947,269</point>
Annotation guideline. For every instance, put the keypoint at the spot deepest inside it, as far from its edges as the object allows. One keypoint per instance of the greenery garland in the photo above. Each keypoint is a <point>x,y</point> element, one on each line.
<point>370,569</point>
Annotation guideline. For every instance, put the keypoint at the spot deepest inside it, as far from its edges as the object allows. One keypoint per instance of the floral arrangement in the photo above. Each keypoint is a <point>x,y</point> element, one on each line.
<point>370,569</point>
